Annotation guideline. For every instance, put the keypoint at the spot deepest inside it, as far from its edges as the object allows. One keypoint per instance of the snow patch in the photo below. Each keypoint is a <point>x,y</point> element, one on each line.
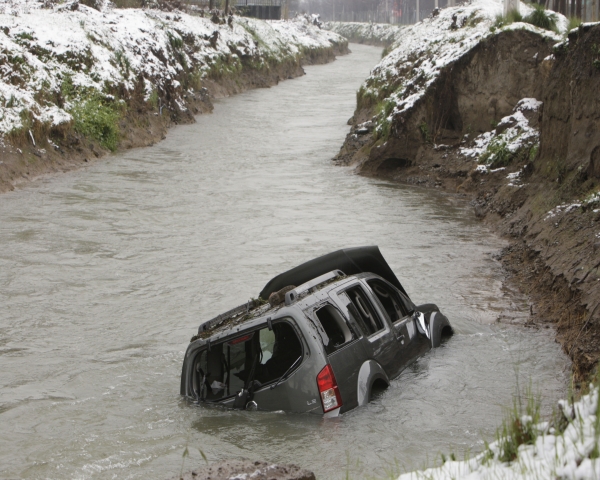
<point>568,455</point>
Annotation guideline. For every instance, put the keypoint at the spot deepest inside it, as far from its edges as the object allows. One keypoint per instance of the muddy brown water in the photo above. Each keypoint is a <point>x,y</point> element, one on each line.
<point>106,273</point>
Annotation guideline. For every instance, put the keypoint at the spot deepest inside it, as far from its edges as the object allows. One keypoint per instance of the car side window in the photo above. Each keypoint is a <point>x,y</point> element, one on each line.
<point>361,310</point>
<point>393,303</point>
<point>338,331</point>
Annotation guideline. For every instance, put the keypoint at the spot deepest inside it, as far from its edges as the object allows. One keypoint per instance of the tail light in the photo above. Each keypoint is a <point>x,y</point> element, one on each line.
<point>328,388</point>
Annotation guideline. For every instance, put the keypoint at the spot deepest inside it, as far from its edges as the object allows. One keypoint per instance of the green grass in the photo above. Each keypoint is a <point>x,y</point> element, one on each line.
<point>503,20</point>
<point>539,17</point>
<point>496,154</point>
<point>153,99</point>
<point>542,18</point>
<point>574,22</point>
<point>383,110</point>
<point>519,426</point>
<point>98,119</point>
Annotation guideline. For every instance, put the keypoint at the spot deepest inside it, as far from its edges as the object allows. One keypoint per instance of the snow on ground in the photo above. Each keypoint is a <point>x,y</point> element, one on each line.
<point>591,201</point>
<point>366,32</point>
<point>512,137</point>
<point>422,50</point>
<point>571,453</point>
<point>47,47</point>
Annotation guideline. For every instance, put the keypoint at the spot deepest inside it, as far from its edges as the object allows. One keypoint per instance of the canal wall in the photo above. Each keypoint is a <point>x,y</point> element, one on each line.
<point>507,115</point>
<point>78,82</point>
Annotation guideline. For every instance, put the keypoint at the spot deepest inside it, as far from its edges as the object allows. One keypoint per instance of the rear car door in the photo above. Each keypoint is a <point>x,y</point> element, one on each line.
<point>344,351</point>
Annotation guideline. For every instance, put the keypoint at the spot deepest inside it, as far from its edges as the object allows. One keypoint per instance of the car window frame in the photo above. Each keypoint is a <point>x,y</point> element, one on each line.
<point>384,320</point>
<point>252,330</point>
<point>354,329</point>
<point>411,304</point>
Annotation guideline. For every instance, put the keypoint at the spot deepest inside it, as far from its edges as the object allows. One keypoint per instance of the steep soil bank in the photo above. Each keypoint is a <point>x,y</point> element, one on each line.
<point>77,83</point>
<point>471,95</point>
<point>513,125</point>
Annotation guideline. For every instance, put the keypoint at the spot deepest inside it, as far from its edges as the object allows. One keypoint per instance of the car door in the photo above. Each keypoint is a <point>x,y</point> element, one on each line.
<point>400,309</point>
<point>399,314</point>
<point>344,352</point>
<point>381,345</point>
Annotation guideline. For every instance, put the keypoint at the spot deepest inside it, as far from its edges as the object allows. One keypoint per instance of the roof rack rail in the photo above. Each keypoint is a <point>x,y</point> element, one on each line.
<point>311,286</point>
<point>215,322</point>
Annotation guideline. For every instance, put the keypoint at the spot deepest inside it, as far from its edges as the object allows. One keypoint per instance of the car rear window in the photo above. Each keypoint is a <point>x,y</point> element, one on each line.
<point>338,332</point>
<point>260,356</point>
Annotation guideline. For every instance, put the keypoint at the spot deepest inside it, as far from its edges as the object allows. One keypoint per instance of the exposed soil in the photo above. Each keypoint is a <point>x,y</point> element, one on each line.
<point>554,256</point>
<point>21,161</point>
<point>229,469</point>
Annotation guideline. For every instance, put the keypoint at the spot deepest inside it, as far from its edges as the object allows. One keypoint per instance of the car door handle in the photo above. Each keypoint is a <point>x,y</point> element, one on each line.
<point>401,339</point>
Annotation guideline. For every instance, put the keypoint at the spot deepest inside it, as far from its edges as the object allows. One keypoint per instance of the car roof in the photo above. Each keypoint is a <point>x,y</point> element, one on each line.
<point>256,309</point>
<point>323,273</point>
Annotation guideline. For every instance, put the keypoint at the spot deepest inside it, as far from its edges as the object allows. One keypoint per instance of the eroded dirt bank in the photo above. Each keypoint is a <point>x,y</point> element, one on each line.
<point>511,123</point>
<point>79,82</point>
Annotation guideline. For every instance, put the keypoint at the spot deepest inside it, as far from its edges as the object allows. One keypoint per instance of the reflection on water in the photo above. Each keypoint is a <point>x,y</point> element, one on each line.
<point>106,273</point>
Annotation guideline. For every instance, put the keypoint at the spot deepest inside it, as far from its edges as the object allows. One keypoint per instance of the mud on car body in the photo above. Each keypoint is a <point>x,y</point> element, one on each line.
<point>323,346</point>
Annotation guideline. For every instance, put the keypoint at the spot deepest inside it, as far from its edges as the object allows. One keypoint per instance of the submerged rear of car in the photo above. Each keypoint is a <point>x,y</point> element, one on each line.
<point>321,347</point>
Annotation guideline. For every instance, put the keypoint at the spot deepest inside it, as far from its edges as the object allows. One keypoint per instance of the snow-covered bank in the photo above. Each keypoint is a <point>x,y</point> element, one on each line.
<point>567,449</point>
<point>377,34</point>
<point>422,51</point>
<point>66,68</point>
<point>104,50</point>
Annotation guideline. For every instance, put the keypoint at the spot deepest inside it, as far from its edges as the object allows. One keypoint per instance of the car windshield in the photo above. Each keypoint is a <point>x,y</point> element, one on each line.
<point>260,357</point>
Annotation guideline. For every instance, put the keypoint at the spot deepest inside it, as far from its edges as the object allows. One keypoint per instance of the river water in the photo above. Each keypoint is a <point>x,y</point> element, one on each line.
<point>105,274</point>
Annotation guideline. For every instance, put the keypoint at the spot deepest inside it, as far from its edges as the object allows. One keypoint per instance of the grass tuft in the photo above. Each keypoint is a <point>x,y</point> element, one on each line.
<point>542,18</point>
<point>574,22</point>
<point>519,427</point>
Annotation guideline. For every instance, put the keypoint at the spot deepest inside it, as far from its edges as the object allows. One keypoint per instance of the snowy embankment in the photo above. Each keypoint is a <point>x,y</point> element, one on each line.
<point>422,51</point>
<point>62,65</point>
<point>370,33</point>
<point>566,449</point>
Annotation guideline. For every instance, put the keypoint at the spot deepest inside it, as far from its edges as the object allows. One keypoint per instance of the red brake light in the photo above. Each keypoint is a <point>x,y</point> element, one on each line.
<point>328,388</point>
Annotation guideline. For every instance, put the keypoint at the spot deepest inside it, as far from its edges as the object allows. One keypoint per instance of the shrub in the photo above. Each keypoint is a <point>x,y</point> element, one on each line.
<point>541,18</point>
<point>496,154</point>
<point>129,3</point>
<point>95,119</point>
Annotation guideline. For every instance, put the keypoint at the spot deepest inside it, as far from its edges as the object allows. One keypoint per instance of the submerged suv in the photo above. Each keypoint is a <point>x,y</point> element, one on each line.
<point>333,330</point>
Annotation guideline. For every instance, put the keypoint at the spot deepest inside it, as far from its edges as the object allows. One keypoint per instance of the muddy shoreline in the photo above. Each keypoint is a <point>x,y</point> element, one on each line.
<point>550,214</point>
